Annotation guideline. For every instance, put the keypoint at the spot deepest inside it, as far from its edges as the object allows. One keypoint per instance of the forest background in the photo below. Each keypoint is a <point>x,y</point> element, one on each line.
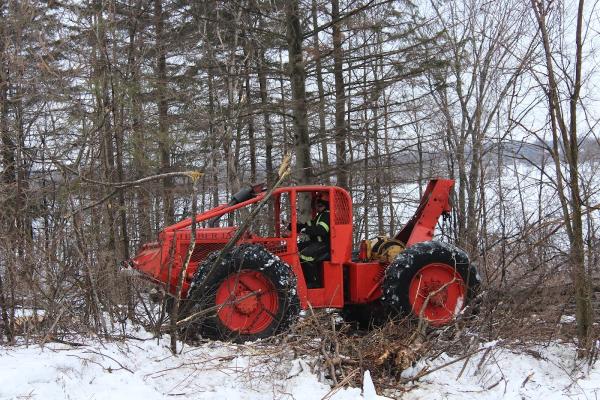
<point>374,96</point>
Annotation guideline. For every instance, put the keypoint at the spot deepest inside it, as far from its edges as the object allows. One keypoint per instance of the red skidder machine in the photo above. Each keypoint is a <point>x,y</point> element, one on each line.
<point>259,287</point>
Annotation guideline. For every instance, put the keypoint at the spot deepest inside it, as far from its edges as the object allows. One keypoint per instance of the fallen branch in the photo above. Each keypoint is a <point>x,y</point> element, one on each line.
<point>425,371</point>
<point>208,310</point>
<point>341,384</point>
<point>110,358</point>
<point>48,334</point>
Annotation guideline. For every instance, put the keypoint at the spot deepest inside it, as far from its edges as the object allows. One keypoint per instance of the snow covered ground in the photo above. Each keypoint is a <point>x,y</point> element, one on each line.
<point>508,372</point>
<point>144,368</point>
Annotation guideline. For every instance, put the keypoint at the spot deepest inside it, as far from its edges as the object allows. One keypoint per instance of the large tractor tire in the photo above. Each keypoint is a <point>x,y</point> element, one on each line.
<point>431,281</point>
<point>250,295</point>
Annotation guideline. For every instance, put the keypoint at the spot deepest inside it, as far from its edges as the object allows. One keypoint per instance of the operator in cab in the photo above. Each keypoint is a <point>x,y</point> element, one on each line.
<point>317,249</point>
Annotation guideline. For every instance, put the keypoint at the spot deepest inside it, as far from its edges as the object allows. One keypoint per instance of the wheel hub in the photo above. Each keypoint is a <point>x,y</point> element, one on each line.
<point>248,302</point>
<point>436,293</point>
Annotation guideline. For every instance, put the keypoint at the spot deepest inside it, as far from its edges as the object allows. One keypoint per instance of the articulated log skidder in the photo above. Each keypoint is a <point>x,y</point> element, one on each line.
<point>258,288</point>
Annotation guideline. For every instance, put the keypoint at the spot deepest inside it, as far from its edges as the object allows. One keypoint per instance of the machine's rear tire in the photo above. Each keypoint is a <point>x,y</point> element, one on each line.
<point>430,280</point>
<point>253,294</point>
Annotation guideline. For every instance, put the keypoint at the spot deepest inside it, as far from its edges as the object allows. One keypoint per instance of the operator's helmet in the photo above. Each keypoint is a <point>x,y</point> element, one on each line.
<point>323,198</point>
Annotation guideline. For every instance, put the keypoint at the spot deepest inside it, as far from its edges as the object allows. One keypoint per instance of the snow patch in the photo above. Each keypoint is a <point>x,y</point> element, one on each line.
<point>497,372</point>
<point>369,392</point>
<point>567,319</point>
<point>460,301</point>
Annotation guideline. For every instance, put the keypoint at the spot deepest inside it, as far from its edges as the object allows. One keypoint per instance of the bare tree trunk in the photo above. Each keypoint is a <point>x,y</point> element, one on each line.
<point>284,106</point>
<point>140,159</point>
<point>502,214</point>
<point>250,112</point>
<point>340,99</point>
<point>8,164</point>
<point>388,161</point>
<point>4,306</point>
<point>8,143</point>
<point>175,311</point>
<point>213,139</point>
<point>366,204</point>
<point>323,139</point>
<point>103,124</point>
<point>164,140</point>
<point>262,81</point>
<point>565,133</point>
<point>264,100</point>
<point>377,154</point>
<point>232,112</point>
<point>298,76</point>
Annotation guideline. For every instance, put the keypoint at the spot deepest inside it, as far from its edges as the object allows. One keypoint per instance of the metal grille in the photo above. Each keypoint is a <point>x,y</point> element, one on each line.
<point>275,247</point>
<point>204,249</point>
<point>342,210</point>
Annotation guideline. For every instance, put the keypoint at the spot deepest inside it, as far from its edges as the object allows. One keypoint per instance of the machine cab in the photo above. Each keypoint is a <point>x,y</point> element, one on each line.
<point>292,206</point>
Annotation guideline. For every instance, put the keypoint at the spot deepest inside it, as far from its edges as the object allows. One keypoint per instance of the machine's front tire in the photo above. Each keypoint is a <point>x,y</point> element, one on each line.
<point>250,295</point>
<point>430,280</point>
